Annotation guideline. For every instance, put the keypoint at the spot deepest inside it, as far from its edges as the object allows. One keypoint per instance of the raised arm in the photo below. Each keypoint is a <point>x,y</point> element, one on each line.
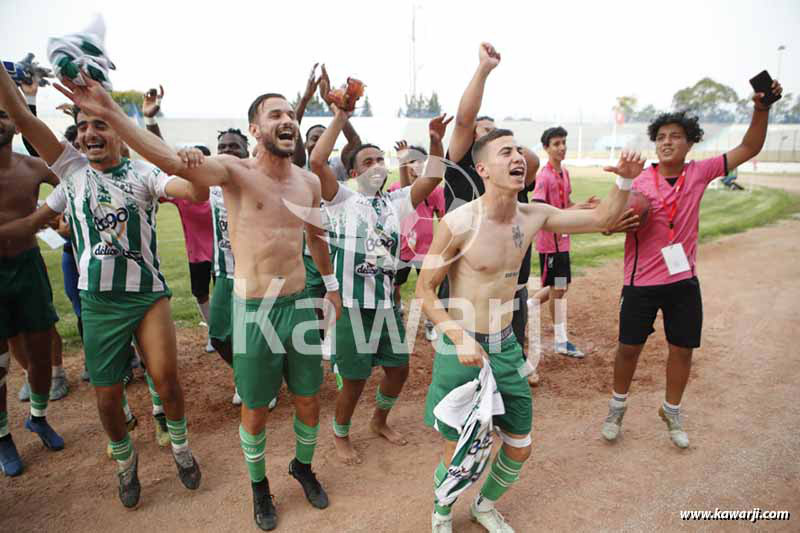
<point>401,147</point>
<point>151,105</point>
<point>311,87</point>
<point>608,212</point>
<point>434,168</point>
<point>38,134</point>
<point>93,99</point>
<point>756,134</point>
<point>350,133</point>
<point>470,104</point>
<point>321,153</point>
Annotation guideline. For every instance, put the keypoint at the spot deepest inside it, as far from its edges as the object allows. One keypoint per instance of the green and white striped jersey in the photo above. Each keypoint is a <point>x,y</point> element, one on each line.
<point>365,239</point>
<point>112,216</point>
<point>223,252</point>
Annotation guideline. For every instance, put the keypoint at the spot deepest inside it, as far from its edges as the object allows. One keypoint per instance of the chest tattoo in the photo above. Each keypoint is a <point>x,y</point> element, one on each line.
<point>516,234</point>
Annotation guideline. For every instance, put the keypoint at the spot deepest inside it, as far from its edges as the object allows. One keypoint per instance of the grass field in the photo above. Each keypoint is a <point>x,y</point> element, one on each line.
<point>722,213</point>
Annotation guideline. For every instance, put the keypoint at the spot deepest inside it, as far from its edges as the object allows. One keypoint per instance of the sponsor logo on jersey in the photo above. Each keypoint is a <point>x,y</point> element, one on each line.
<point>224,244</point>
<point>367,270</point>
<point>104,250</point>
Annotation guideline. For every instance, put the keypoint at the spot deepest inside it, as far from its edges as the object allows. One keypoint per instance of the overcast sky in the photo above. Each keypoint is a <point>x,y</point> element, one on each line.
<point>560,59</point>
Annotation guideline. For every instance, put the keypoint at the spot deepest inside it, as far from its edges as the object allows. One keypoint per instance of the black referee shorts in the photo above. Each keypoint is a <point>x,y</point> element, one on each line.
<point>554,266</point>
<point>679,302</point>
<point>200,276</point>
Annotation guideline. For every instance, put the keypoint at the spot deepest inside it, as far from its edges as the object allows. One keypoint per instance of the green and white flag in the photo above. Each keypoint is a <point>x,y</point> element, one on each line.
<point>469,409</point>
<point>82,51</point>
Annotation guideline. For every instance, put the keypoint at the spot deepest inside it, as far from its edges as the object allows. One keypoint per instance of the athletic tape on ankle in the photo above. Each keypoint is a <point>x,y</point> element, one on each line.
<point>39,404</point>
<point>514,442</point>
<point>341,430</point>
<point>384,402</point>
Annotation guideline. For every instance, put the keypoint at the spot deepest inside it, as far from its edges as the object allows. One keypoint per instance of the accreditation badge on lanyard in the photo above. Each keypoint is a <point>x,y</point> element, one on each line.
<point>674,254</point>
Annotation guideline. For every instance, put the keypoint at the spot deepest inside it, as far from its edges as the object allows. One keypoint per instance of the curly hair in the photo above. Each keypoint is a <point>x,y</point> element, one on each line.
<point>690,125</point>
<point>234,131</point>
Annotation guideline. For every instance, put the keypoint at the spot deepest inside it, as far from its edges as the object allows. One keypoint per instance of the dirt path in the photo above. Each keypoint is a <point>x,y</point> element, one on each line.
<point>742,415</point>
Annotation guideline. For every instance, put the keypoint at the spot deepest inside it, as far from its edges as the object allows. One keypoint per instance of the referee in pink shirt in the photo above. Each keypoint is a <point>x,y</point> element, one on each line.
<point>660,259</point>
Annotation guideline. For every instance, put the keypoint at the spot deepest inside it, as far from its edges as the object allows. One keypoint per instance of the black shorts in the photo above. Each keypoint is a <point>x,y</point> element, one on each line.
<point>680,303</point>
<point>555,265</point>
<point>200,275</point>
<point>401,276</point>
<point>519,320</point>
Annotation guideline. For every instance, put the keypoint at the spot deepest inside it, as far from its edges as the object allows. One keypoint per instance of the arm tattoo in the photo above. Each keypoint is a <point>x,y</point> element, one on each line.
<point>516,234</point>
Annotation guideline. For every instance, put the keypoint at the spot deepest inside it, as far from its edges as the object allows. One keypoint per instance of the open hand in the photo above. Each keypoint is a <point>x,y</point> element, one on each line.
<point>437,126</point>
<point>312,83</point>
<point>590,203</point>
<point>91,97</point>
<point>627,222</point>
<point>324,85</point>
<point>630,165</point>
<point>152,102</point>
<point>401,147</point>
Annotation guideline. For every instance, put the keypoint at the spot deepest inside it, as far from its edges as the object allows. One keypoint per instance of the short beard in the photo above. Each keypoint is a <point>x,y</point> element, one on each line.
<point>274,150</point>
<point>5,140</point>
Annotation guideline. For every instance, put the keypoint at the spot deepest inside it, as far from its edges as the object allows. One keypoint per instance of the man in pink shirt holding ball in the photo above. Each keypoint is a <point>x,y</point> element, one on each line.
<point>660,258</point>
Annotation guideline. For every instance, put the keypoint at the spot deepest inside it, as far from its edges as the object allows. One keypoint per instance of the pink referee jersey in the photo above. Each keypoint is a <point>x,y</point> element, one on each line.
<point>198,230</point>
<point>644,263</point>
<point>417,229</point>
<point>552,188</point>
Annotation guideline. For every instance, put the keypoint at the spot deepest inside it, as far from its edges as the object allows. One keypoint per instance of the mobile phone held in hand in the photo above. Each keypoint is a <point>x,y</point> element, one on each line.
<point>762,83</point>
<point>16,73</point>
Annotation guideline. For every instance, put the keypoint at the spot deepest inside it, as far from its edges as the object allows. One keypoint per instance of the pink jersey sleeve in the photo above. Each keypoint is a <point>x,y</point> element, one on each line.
<point>713,167</point>
<point>541,188</point>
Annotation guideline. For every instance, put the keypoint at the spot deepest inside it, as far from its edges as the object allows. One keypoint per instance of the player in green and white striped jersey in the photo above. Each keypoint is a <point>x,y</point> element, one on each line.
<point>365,238</point>
<point>270,203</point>
<point>112,204</point>
<point>220,331</point>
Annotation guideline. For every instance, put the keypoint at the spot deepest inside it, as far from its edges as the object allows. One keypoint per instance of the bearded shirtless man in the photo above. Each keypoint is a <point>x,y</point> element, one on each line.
<point>268,200</point>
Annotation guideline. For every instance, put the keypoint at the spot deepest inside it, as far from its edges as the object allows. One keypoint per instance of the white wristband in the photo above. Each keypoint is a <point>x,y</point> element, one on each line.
<point>150,121</point>
<point>30,99</point>
<point>624,184</point>
<point>331,283</point>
